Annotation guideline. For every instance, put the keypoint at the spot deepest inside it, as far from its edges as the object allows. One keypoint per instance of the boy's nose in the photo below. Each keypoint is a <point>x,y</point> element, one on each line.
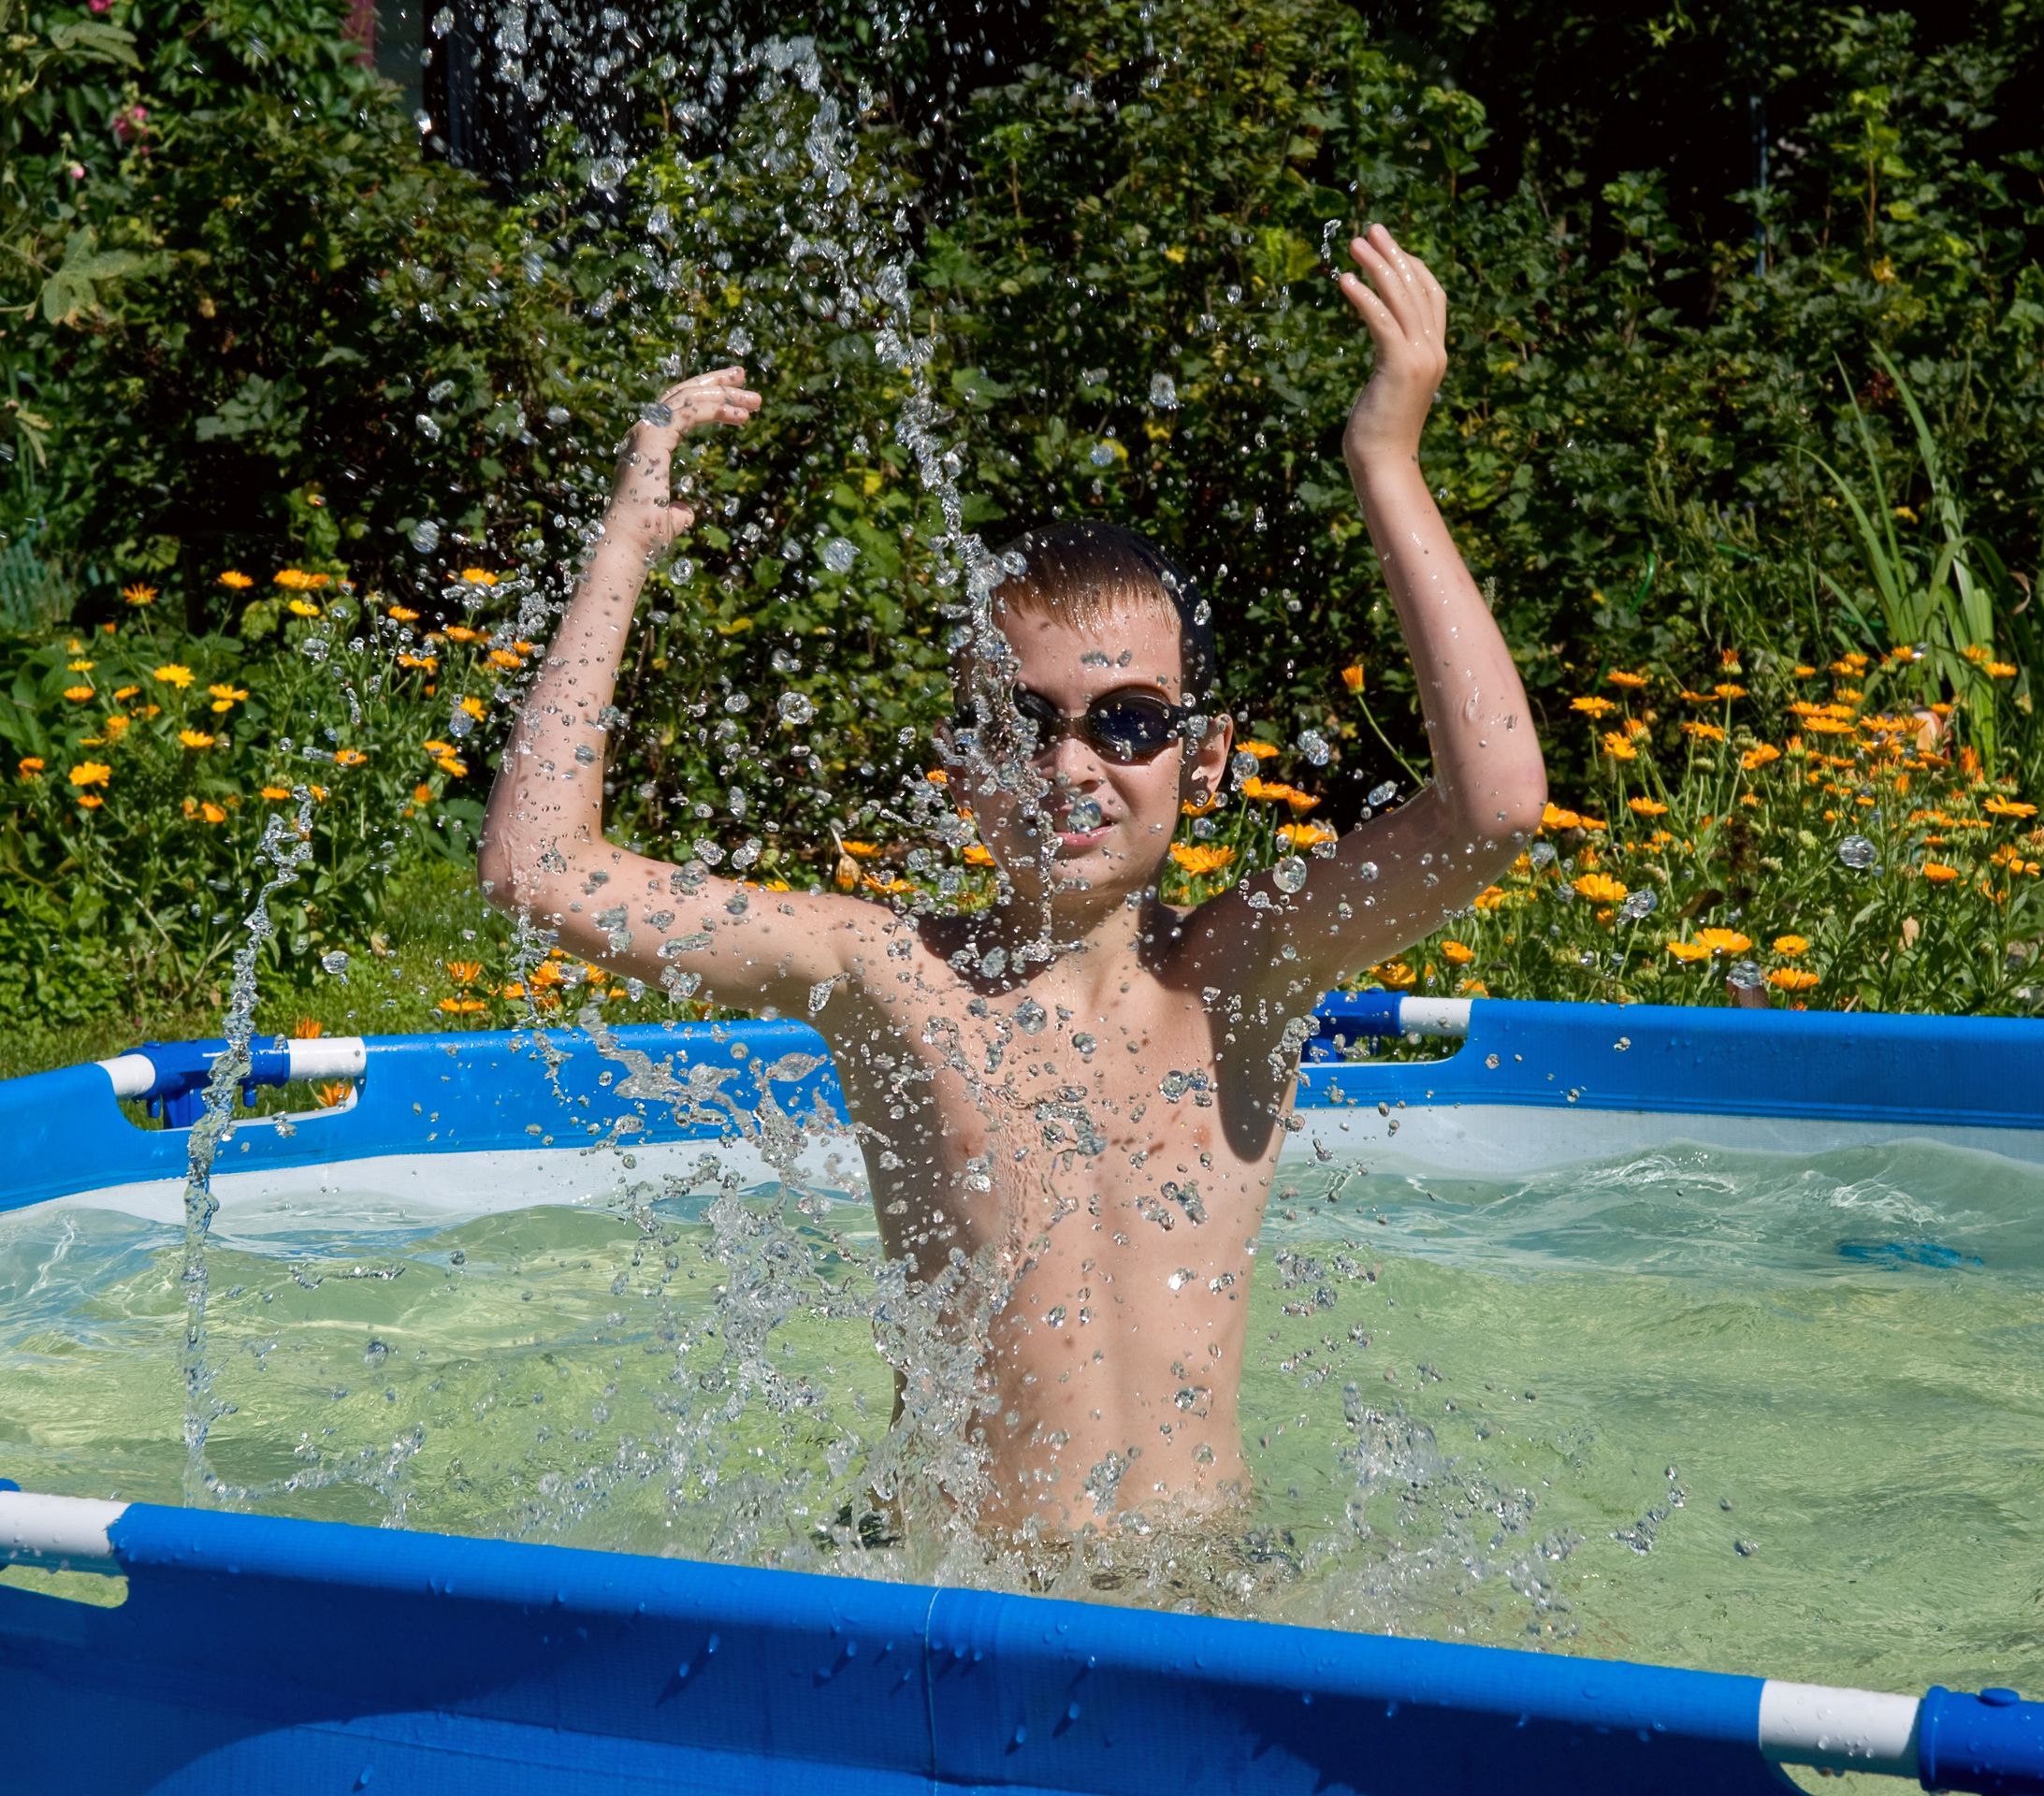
<point>1069,759</point>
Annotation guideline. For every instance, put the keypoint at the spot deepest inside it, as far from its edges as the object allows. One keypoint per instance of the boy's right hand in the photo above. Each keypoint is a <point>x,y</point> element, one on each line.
<point>643,511</point>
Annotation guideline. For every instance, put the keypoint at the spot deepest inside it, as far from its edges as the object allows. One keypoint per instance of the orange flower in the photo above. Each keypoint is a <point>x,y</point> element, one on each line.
<point>1723,941</point>
<point>1489,898</point>
<point>1689,952</point>
<point>1275,791</point>
<point>427,662</point>
<point>1939,874</point>
<point>29,766</point>
<point>91,773</point>
<point>451,764</point>
<point>976,856</point>
<point>464,972</point>
<point>297,580</point>
<point>462,1006</point>
<point>422,793</point>
<point>2000,806</point>
<point>196,739</point>
<point>173,673</point>
<point>334,1093</point>
<point>1646,807</point>
<point>1757,756</point>
<point>1631,682</point>
<point>937,776</point>
<point>462,633</point>
<point>1728,689</point>
<point>225,696</point>
<point>77,694</point>
<point>479,577</point>
<point>212,812</point>
<point>475,707</point>
<point>1261,750</point>
<point>2001,669</point>
<point>276,794</point>
<point>301,608</point>
<point>1618,746</point>
<point>504,660</point>
<point>1788,947</point>
<point>1200,859</point>
<point>349,758</point>
<point>1456,953</point>
<point>1600,887</point>
<point>1395,973</point>
<point>1792,979</point>
<point>1591,706</point>
<point>1351,678</point>
<point>1703,732</point>
<point>306,1029</point>
<point>236,581</point>
<point>1552,817</point>
<point>140,595</point>
<point>401,614</point>
<point>91,800</point>
<point>1305,835</point>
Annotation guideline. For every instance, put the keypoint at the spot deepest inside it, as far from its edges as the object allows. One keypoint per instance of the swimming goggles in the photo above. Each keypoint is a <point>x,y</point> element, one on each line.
<point>1122,726</point>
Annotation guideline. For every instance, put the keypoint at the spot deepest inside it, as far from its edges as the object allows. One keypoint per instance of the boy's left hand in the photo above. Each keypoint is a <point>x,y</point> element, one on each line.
<point>1408,316</point>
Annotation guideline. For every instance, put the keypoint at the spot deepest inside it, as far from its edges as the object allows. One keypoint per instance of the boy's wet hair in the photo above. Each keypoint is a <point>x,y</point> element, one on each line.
<point>1083,571</point>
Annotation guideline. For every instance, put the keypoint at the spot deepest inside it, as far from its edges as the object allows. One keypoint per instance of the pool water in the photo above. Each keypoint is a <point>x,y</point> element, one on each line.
<point>1733,1412</point>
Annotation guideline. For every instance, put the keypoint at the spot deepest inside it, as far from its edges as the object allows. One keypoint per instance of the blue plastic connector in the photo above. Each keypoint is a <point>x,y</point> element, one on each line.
<point>1350,1017</point>
<point>185,1068</point>
<point>1991,1743</point>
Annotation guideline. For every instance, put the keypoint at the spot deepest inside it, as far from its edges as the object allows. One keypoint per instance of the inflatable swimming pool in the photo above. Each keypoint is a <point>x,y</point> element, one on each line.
<point>258,1654</point>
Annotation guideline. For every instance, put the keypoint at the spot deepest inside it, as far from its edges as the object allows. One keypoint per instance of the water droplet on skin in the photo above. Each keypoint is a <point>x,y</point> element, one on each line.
<point>1289,874</point>
<point>1085,1045</point>
<point>1164,392</point>
<point>839,553</point>
<point>1179,1280</point>
<point>994,963</point>
<point>1030,1017</point>
<point>1054,1316</point>
<point>426,537</point>
<point>1858,853</point>
<point>1381,795</point>
<point>375,1353</point>
<point>658,415</point>
<point>796,708</point>
<point>1366,870</point>
<point>336,962</point>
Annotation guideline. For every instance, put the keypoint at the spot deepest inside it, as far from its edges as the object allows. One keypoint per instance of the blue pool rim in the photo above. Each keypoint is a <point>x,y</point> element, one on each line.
<point>483,1089</point>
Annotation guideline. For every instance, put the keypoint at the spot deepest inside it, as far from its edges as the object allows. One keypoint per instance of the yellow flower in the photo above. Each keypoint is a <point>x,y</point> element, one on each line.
<point>1788,947</point>
<point>91,800</point>
<point>236,579</point>
<point>1456,953</point>
<point>1351,678</point>
<point>91,773</point>
<point>1631,682</point>
<point>1939,874</point>
<point>462,1006</point>
<point>1703,732</point>
<point>1261,750</point>
<point>1755,758</point>
<point>349,758</point>
<point>2001,669</point>
<point>1489,898</point>
<point>212,812</point>
<point>462,633</point>
<point>82,667</point>
<point>276,794</point>
<point>862,850</point>
<point>1274,791</point>
<point>194,739</point>
<point>2000,806</point>
<point>333,1093</point>
<point>1618,746</point>
<point>429,662</point>
<point>1804,673</point>
<point>464,972</point>
<point>1174,253</point>
<point>1305,835</point>
<point>117,726</point>
<point>30,766</point>
<point>1729,689</point>
<point>451,764</point>
<point>1552,817</point>
<point>1689,952</point>
<point>77,694</point>
<point>504,660</point>
<point>1591,706</point>
<point>475,707</point>
<point>402,614</point>
<point>226,697</point>
<point>1792,979</point>
<point>1723,941</point>
<point>1200,859</point>
<point>302,608</point>
<point>977,857</point>
<point>1646,807</point>
<point>479,577</point>
<point>297,580</point>
<point>122,694</point>
<point>1600,887</point>
<point>172,673</point>
<point>1396,974</point>
<point>138,595</point>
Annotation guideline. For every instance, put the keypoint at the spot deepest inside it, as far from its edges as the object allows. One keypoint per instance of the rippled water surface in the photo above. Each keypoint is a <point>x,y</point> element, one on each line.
<point>1722,1410</point>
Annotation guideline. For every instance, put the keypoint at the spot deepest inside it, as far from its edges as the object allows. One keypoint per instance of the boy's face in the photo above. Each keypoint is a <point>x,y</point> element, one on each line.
<point>1104,826</point>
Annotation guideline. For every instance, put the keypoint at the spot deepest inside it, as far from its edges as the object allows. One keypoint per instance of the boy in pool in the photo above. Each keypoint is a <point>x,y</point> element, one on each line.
<point>1071,1103</point>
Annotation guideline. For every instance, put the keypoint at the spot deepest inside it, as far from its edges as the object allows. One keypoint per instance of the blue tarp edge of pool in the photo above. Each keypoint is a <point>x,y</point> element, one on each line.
<point>253,1654</point>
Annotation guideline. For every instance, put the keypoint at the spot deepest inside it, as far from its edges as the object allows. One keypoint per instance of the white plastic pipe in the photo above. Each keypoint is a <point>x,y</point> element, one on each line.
<point>71,1532</point>
<point>1813,1724</point>
<point>321,1057</point>
<point>1443,1019</point>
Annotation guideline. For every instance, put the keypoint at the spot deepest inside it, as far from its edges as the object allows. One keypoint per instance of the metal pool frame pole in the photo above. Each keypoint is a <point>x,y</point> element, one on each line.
<point>255,1654</point>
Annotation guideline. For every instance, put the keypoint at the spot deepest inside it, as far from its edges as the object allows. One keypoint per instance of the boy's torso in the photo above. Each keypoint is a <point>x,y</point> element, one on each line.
<point>1086,1171</point>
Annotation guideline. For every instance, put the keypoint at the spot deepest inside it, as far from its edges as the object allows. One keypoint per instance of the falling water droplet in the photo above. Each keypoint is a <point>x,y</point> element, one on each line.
<point>1858,853</point>
<point>796,708</point>
<point>1085,813</point>
<point>659,414</point>
<point>839,553</point>
<point>1313,746</point>
<point>426,537</point>
<point>1637,905</point>
<point>1381,795</point>
<point>1102,455</point>
<point>336,962</point>
<point>1030,1017</point>
<point>1164,392</point>
<point>1745,976</point>
<point>1289,874</point>
<point>459,723</point>
<point>427,427</point>
<point>607,174</point>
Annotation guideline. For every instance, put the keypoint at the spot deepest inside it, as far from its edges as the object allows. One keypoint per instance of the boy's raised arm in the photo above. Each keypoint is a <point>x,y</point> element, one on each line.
<point>1398,878</point>
<point>543,851</point>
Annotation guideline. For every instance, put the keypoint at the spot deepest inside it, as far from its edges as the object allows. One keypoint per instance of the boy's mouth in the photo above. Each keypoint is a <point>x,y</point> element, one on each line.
<point>1070,841</point>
